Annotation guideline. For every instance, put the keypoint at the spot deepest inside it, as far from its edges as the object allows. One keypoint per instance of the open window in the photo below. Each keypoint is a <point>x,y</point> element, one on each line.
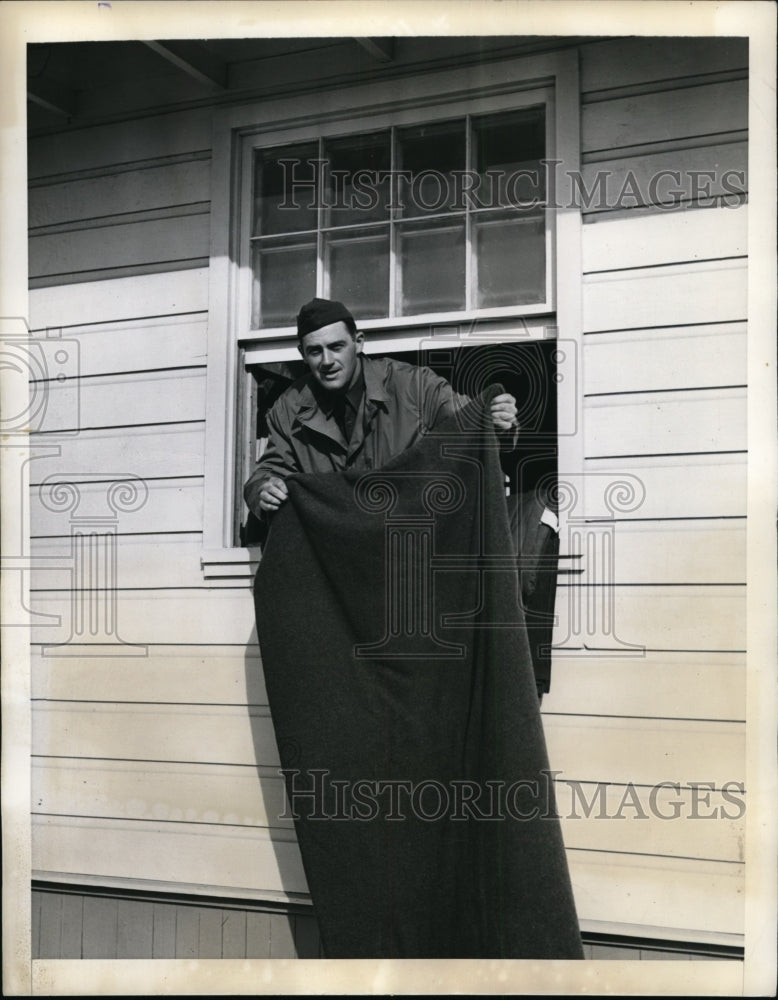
<point>430,210</point>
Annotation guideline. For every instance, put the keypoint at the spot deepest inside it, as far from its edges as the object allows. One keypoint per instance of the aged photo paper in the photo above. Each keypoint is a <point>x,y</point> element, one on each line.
<point>741,404</point>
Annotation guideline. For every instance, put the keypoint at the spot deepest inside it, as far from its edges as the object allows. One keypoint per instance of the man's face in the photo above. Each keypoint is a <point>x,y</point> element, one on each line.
<point>332,355</point>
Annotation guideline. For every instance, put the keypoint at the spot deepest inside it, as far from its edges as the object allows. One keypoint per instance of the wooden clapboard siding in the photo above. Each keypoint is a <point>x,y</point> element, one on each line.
<point>143,560</point>
<point>151,452</point>
<point>683,685</point>
<point>665,423</point>
<point>647,616</point>
<point>610,64</point>
<point>679,113</point>
<point>649,679</point>
<point>151,790</point>
<point>116,299</point>
<point>204,616</point>
<point>621,890</point>
<point>157,768</point>
<point>120,190</point>
<point>168,396</point>
<point>180,238</point>
<point>140,927</point>
<point>168,505</point>
<point>104,147</point>
<point>206,675</point>
<point>692,486</point>
<point>686,358</point>
<point>221,858</point>
<point>651,104</point>
<point>673,295</point>
<point>139,345</point>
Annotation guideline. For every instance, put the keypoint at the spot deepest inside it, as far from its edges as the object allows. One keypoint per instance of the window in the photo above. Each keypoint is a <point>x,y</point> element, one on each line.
<point>434,218</point>
<point>426,205</point>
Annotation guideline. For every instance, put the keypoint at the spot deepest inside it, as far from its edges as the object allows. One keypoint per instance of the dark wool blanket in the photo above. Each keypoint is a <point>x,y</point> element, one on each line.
<point>402,693</point>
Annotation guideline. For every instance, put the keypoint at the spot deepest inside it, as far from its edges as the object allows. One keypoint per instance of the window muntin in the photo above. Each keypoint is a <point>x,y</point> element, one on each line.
<point>434,218</point>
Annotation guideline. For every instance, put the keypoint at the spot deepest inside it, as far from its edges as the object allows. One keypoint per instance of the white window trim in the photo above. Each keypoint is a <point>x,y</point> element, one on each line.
<point>350,109</point>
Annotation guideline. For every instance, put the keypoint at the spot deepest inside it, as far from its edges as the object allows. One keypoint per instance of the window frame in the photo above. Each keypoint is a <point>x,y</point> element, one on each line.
<point>502,85</point>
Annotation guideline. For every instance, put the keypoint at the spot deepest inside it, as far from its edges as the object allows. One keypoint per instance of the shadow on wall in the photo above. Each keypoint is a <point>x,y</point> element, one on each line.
<point>288,875</point>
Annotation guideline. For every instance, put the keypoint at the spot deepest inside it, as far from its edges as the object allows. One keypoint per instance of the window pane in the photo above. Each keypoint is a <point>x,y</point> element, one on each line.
<point>508,151</point>
<point>285,190</point>
<point>433,267</point>
<point>358,268</point>
<point>356,187</point>
<point>284,278</point>
<point>511,259</point>
<point>434,155</point>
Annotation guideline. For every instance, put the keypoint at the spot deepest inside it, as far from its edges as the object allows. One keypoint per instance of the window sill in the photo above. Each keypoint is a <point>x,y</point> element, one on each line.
<point>230,564</point>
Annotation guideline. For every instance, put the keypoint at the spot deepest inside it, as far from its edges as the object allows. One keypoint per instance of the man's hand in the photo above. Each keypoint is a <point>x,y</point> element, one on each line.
<point>503,409</point>
<point>273,494</point>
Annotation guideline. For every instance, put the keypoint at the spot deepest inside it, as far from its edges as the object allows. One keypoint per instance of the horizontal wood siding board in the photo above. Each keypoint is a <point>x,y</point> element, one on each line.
<point>657,617</point>
<point>641,751</point>
<point>663,685</point>
<point>204,616</point>
<point>665,238</point>
<point>133,244</point>
<point>618,617</point>
<point>223,675</point>
<point>675,295</point>
<point>645,751</point>
<point>174,450</point>
<point>110,196</point>
<point>651,360</point>
<point>703,110</point>
<point>166,505</point>
<point>662,552</point>
<point>665,423</point>
<point>238,858</point>
<point>672,180</point>
<point>120,143</point>
<point>670,685</point>
<point>92,401</point>
<point>681,486</point>
<point>201,734</point>
<point>624,62</point>
<point>658,897</point>
<point>137,346</point>
<point>697,898</point>
<point>168,267</point>
<point>143,560</point>
<point>606,817</point>
<point>663,821</point>
<point>117,299</point>
<point>212,794</point>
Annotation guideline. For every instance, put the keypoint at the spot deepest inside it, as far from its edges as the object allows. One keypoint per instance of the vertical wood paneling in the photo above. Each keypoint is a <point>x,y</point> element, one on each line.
<point>187,931</point>
<point>50,933</point>
<point>164,935</point>
<point>135,929</point>
<point>100,937</point>
<point>282,935</point>
<point>234,934</point>
<point>210,933</point>
<point>72,926</point>
<point>258,929</point>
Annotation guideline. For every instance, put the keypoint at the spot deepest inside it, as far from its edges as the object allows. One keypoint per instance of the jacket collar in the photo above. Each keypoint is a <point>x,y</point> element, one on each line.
<point>315,409</point>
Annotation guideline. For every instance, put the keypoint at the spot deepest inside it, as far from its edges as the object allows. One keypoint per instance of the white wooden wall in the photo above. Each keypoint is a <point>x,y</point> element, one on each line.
<point>664,410</point>
<point>154,764</point>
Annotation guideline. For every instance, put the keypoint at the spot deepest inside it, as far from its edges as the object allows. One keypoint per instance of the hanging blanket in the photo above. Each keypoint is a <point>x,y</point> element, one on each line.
<point>401,688</point>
